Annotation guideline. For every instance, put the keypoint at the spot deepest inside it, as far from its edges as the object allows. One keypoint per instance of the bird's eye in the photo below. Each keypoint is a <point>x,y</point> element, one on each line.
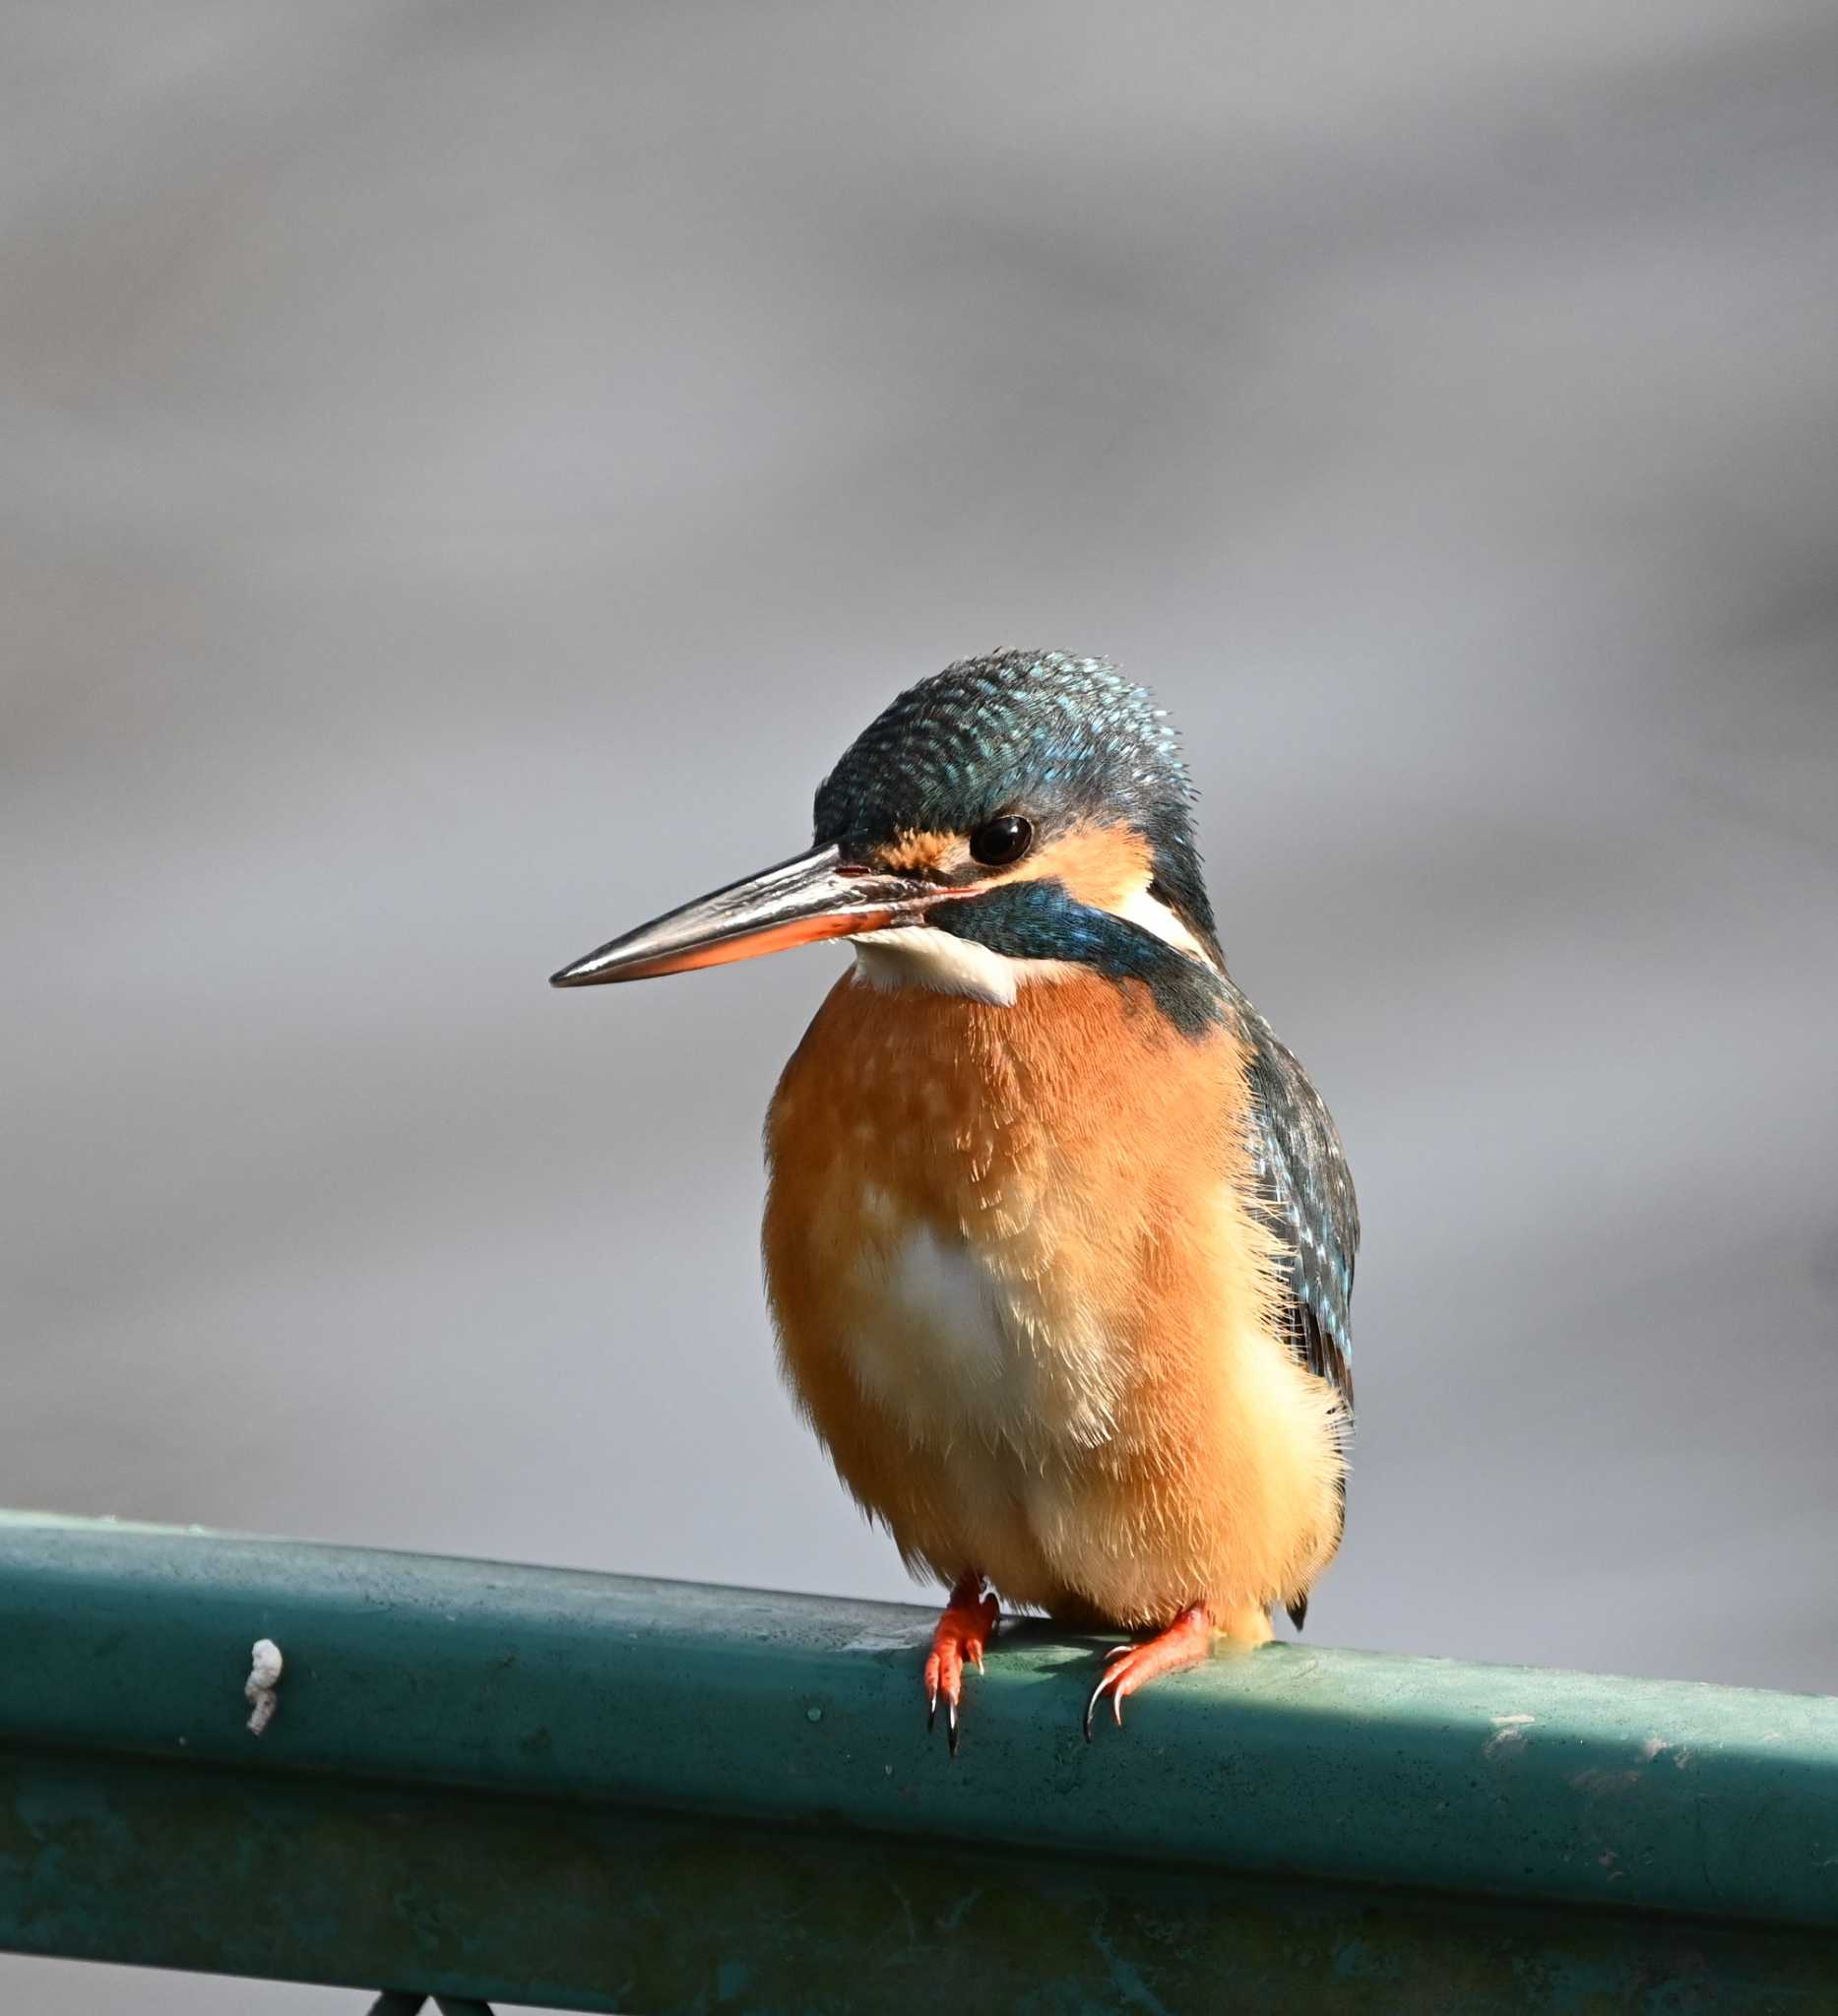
<point>1003,841</point>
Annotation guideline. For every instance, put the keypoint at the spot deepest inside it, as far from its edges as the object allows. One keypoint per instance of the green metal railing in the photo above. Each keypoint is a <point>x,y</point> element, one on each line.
<point>490,1784</point>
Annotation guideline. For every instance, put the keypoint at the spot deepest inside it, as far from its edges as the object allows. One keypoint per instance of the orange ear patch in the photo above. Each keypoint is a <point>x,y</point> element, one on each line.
<point>1100,867</point>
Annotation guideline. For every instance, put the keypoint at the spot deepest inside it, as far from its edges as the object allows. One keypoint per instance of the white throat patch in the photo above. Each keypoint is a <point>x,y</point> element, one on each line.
<point>921,956</point>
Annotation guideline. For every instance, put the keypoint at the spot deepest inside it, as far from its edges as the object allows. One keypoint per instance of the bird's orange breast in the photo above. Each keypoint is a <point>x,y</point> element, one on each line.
<point>1022,1302</point>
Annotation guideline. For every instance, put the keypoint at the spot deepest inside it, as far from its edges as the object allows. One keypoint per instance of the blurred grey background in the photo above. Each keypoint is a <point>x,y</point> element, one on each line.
<point>466,472</point>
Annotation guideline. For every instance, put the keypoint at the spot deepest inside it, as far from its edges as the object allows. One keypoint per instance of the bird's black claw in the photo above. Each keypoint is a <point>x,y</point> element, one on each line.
<point>931,1713</point>
<point>950,1729</point>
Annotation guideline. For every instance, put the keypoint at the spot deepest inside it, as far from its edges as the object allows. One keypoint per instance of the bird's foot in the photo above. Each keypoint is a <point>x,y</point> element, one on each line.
<point>1184,1643</point>
<point>965,1629</point>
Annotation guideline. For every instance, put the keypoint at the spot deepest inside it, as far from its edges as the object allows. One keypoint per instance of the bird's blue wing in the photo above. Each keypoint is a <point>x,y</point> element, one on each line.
<point>1305,1195</point>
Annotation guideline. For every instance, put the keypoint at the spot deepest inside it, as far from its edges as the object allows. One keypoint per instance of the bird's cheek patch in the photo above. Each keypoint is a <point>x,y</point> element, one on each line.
<point>1102,867</point>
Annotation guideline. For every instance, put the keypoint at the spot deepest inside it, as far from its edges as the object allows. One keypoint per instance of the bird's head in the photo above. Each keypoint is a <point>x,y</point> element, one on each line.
<point>1011,815</point>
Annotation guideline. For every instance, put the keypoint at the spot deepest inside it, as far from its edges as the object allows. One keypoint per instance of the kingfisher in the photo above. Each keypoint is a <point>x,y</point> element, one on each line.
<point>1059,1238</point>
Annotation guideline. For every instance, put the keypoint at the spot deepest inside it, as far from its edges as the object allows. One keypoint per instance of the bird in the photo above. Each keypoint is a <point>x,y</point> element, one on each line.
<point>1058,1236</point>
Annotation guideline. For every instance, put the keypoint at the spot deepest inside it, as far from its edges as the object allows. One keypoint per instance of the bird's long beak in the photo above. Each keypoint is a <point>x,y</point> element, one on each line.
<point>812,896</point>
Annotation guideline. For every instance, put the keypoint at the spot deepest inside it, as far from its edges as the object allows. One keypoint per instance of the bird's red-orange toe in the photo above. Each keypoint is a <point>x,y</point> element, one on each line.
<point>1184,1643</point>
<point>964,1631</point>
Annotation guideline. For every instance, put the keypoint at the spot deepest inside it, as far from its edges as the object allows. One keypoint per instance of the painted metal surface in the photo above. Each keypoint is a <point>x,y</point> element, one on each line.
<point>532,1785</point>
<point>585,1906</point>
